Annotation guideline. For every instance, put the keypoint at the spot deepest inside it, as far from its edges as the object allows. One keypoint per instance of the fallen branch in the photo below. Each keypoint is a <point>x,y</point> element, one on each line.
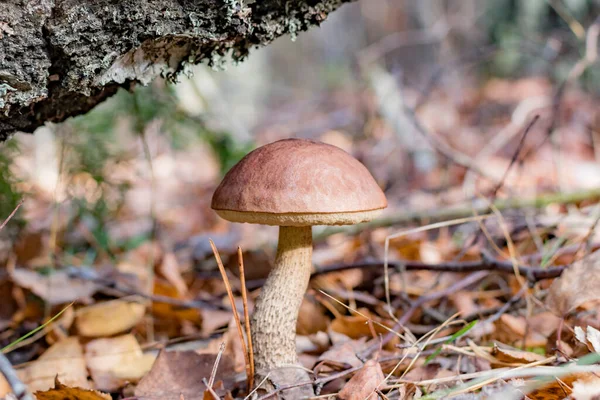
<point>462,211</point>
<point>487,263</point>
<point>532,273</point>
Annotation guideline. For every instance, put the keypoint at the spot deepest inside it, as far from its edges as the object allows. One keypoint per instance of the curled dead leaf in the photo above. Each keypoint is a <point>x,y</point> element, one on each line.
<point>364,384</point>
<point>64,392</point>
<point>514,356</point>
<point>578,284</point>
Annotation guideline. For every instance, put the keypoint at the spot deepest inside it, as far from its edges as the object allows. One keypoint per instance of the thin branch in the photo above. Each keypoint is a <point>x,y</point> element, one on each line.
<point>532,273</point>
<point>462,211</point>
<point>18,388</point>
<point>12,214</point>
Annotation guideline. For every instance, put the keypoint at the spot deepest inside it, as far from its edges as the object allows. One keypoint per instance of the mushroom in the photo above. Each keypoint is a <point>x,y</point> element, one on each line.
<point>294,184</point>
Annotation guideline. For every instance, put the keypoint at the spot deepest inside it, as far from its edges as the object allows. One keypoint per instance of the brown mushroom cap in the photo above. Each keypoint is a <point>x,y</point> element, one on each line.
<point>296,182</point>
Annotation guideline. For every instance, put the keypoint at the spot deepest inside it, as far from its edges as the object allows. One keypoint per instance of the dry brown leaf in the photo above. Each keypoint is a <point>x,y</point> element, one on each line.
<point>560,389</point>
<point>515,356</point>
<point>109,318</point>
<point>115,361</point>
<point>591,338</point>
<point>169,268</point>
<point>357,326</point>
<point>578,284</point>
<point>56,288</point>
<point>63,359</point>
<point>233,347</point>
<point>311,318</point>
<point>214,319</point>
<point>177,374</point>
<point>464,303</point>
<point>64,392</point>
<point>345,352</point>
<point>362,386</point>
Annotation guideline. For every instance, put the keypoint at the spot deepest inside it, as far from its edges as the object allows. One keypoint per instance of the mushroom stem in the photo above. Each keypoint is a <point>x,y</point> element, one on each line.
<point>274,320</point>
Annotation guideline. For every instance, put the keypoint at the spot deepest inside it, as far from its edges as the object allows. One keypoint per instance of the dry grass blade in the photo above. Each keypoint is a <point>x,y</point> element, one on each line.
<point>246,318</point>
<point>233,307</point>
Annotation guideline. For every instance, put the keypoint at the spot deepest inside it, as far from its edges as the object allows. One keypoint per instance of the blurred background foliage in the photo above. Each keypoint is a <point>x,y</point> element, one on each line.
<point>271,93</point>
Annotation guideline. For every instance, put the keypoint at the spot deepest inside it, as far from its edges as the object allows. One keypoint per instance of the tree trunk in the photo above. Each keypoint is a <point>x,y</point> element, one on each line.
<point>59,58</point>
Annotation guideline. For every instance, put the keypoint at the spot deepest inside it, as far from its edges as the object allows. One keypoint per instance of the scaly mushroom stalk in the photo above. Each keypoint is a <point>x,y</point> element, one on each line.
<point>274,320</point>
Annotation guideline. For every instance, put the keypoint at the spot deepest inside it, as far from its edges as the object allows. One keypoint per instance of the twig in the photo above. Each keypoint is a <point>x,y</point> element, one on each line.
<point>112,286</point>
<point>18,388</point>
<point>246,318</point>
<point>469,280</point>
<point>444,148</point>
<point>12,214</point>
<point>515,155</point>
<point>233,307</point>
<point>487,263</point>
<point>462,210</point>
<point>213,373</point>
<point>506,306</point>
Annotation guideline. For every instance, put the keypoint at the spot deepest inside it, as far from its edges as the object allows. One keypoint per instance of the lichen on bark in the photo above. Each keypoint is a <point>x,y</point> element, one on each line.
<point>59,58</point>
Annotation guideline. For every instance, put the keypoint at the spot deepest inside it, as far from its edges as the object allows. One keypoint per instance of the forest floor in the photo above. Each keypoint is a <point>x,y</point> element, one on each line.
<point>480,279</point>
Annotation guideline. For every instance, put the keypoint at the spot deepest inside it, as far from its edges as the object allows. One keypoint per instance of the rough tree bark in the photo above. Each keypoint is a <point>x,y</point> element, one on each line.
<point>59,58</point>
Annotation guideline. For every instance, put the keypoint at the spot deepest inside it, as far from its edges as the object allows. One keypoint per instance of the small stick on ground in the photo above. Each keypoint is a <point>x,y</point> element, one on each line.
<point>213,373</point>
<point>246,318</point>
<point>12,214</point>
<point>19,389</point>
<point>233,307</point>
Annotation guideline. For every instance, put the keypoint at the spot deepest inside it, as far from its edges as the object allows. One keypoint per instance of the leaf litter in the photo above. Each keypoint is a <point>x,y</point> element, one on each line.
<point>153,319</point>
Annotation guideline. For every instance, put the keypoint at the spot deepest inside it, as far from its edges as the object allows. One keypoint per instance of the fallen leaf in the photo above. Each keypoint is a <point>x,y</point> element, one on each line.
<point>591,338</point>
<point>56,288</point>
<point>109,318</point>
<point>113,362</point>
<point>362,386</point>
<point>357,326</point>
<point>586,389</point>
<point>311,318</point>
<point>169,268</point>
<point>178,374</point>
<point>515,356</point>
<point>345,352</point>
<point>214,319</point>
<point>64,360</point>
<point>233,346</point>
<point>560,389</point>
<point>578,284</point>
<point>64,392</point>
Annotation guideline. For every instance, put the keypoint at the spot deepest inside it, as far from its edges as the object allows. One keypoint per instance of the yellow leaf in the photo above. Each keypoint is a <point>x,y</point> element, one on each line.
<point>109,318</point>
<point>115,361</point>
<point>64,360</point>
